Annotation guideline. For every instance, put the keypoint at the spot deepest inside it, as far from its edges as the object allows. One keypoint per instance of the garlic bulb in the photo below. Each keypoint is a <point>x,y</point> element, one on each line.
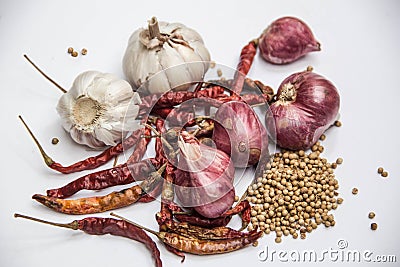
<point>94,110</point>
<point>162,46</point>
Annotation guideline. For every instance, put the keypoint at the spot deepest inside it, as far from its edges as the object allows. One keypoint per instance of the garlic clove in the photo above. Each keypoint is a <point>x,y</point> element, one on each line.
<point>200,50</point>
<point>104,135</point>
<point>172,63</point>
<point>197,68</point>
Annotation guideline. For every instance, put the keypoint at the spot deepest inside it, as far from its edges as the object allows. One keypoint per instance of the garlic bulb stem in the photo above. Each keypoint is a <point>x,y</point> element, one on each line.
<point>45,75</point>
<point>154,30</point>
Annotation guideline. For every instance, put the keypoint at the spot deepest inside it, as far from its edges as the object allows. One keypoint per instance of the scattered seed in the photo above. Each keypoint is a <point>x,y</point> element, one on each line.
<point>374,226</point>
<point>340,200</point>
<point>380,170</point>
<point>55,141</point>
<point>255,244</point>
<point>384,174</point>
<point>70,50</point>
<point>339,160</point>
<point>322,137</point>
<point>338,123</point>
<point>236,198</point>
<point>212,64</point>
<point>278,239</point>
<point>219,72</point>
<point>84,51</point>
<point>354,191</point>
<point>74,54</point>
<point>371,215</point>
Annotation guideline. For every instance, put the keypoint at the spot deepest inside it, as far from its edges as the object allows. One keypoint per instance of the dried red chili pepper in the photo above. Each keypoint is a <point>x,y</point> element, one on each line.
<point>110,201</point>
<point>176,252</point>
<point>171,99</point>
<point>140,148</point>
<point>196,219</point>
<point>91,162</point>
<point>188,230</point>
<point>119,175</point>
<point>201,246</point>
<point>246,59</point>
<point>102,226</point>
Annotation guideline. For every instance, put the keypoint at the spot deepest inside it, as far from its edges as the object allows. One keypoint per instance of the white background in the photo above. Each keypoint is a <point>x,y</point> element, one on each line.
<point>360,54</point>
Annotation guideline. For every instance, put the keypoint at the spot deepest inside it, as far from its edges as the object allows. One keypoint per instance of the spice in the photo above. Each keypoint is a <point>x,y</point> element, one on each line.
<point>380,170</point>
<point>102,226</point>
<point>338,123</point>
<point>339,161</point>
<point>374,226</point>
<point>371,215</point>
<point>197,246</point>
<point>219,72</point>
<point>70,50</point>
<point>322,137</point>
<point>246,59</point>
<point>74,53</point>
<point>84,51</point>
<point>384,174</point>
<point>212,64</point>
<point>159,47</point>
<point>354,191</point>
<point>55,141</point>
<point>91,162</point>
<point>295,193</point>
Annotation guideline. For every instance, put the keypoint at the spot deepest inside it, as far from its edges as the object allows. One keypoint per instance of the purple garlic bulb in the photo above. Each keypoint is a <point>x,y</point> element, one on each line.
<point>286,40</point>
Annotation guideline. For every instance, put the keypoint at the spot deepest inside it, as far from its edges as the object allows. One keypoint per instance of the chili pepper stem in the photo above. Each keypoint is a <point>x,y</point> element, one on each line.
<point>49,161</point>
<point>159,235</point>
<point>45,75</point>
<point>165,142</point>
<point>72,225</point>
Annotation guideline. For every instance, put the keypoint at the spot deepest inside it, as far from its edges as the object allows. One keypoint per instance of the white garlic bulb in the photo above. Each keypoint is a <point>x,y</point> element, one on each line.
<point>96,107</point>
<point>167,55</point>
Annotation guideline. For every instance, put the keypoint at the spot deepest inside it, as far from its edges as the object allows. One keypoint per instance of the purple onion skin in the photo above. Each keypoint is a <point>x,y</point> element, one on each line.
<point>239,133</point>
<point>286,40</point>
<point>302,114</point>
<point>206,184</point>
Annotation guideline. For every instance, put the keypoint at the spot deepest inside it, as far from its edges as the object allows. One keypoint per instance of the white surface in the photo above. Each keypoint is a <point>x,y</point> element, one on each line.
<point>360,54</point>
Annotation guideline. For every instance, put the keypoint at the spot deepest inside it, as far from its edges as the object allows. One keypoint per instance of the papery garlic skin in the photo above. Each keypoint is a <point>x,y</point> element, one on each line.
<point>95,109</point>
<point>172,61</point>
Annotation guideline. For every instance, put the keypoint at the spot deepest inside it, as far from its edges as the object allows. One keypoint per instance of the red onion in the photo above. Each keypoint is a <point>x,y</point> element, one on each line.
<point>239,133</point>
<point>286,40</point>
<point>307,104</point>
<point>204,178</point>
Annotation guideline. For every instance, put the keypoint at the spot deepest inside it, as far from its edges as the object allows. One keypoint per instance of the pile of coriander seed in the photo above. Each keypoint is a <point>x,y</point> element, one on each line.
<point>295,194</point>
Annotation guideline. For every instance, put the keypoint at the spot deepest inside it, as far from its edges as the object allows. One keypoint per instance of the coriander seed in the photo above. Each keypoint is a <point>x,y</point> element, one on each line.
<point>384,174</point>
<point>55,141</point>
<point>84,51</point>
<point>74,54</point>
<point>371,215</point>
<point>374,226</point>
<point>380,170</point>
<point>219,72</point>
<point>339,160</point>
<point>338,123</point>
<point>70,50</point>
<point>354,191</point>
<point>322,137</point>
